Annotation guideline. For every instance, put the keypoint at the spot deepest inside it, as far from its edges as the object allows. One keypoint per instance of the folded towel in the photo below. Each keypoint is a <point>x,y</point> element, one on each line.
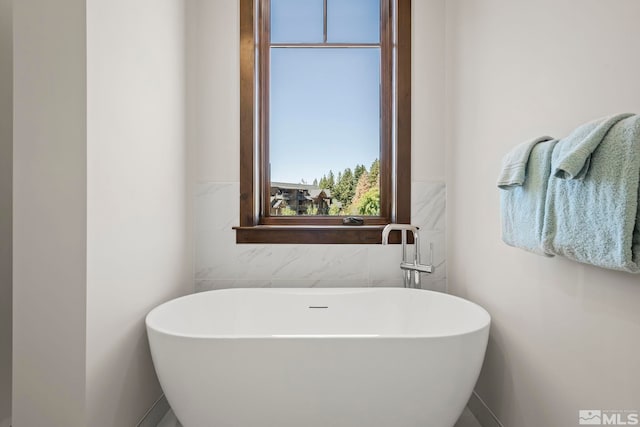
<point>514,164</point>
<point>574,154</point>
<point>595,219</point>
<point>523,207</point>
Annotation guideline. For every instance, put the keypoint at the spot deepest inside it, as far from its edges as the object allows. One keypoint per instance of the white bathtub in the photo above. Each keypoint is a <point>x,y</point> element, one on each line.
<point>360,357</point>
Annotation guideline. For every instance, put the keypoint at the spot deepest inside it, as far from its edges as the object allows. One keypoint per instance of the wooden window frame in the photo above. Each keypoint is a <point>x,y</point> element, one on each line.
<point>395,159</point>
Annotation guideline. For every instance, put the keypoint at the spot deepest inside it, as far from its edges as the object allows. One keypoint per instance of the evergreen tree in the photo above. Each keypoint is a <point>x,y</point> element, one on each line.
<point>350,185</point>
<point>345,189</point>
<point>331,181</point>
<point>354,189</point>
<point>357,172</point>
<point>337,189</point>
<point>374,173</point>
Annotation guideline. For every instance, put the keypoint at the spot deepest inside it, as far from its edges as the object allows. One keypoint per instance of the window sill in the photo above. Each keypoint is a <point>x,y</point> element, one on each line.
<point>323,235</point>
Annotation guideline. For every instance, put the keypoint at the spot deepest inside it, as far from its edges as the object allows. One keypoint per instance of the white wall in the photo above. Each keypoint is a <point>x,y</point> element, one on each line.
<point>213,105</point>
<point>49,213</point>
<point>138,253</point>
<point>6,142</point>
<point>564,335</point>
<point>428,125</point>
<point>101,230</point>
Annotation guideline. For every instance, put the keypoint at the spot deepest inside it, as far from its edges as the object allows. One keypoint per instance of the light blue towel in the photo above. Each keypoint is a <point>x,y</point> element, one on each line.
<point>595,219</point>
<point>574,154</point>
<point>514,164</point>
<point>523,207</point>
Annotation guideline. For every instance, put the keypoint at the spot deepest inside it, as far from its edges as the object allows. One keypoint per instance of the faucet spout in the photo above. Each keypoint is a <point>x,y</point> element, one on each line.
<point>402,227</point>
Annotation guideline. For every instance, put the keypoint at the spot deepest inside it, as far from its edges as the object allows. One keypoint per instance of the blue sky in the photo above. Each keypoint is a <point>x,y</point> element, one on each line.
<point>325,103</point>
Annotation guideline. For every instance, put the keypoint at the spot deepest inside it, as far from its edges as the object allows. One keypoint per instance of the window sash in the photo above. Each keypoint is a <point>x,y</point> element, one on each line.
<point>395,173</point>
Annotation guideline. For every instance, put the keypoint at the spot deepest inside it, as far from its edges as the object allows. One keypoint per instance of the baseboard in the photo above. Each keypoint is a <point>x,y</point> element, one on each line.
<point>155,414</point>
<point>481,411</point>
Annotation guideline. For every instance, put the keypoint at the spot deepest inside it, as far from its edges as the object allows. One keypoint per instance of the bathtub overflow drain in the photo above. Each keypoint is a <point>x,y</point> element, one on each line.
<point>318,306</point>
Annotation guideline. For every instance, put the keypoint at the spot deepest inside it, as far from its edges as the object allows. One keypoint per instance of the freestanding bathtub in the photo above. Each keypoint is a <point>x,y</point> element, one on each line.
<point>357,357</point>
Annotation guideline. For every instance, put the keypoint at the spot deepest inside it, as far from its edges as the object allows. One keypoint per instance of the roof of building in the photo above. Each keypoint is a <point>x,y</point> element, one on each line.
<point>317,192</point>
<point>313,190</point>
<point>293,186</point>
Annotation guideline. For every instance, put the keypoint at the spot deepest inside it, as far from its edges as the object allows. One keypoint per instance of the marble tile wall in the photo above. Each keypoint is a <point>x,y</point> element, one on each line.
<point>221,263</point>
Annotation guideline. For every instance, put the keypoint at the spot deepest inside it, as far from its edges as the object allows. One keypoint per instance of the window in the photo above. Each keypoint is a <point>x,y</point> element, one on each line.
<point>325,119</point>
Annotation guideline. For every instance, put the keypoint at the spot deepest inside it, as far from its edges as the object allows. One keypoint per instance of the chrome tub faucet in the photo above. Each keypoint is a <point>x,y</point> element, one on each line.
<point>410,270</point>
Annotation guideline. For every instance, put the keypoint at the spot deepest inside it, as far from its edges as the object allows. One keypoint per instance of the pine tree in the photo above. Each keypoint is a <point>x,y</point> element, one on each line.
<point>374,172</point>
<point>350,185</point>
<point>351,188</point>
<point>331,182</point>
<point>358,171</point>
<point>344,189</point>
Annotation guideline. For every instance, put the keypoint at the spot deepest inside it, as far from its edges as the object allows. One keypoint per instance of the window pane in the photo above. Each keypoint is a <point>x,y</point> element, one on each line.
<point>353,21</point>
<point>324,131</point>
<point>297,21</point>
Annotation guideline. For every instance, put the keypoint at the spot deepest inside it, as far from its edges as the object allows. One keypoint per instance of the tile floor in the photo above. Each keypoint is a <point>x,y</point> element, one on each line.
<point>169,420</point>
<point>466,420</point>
